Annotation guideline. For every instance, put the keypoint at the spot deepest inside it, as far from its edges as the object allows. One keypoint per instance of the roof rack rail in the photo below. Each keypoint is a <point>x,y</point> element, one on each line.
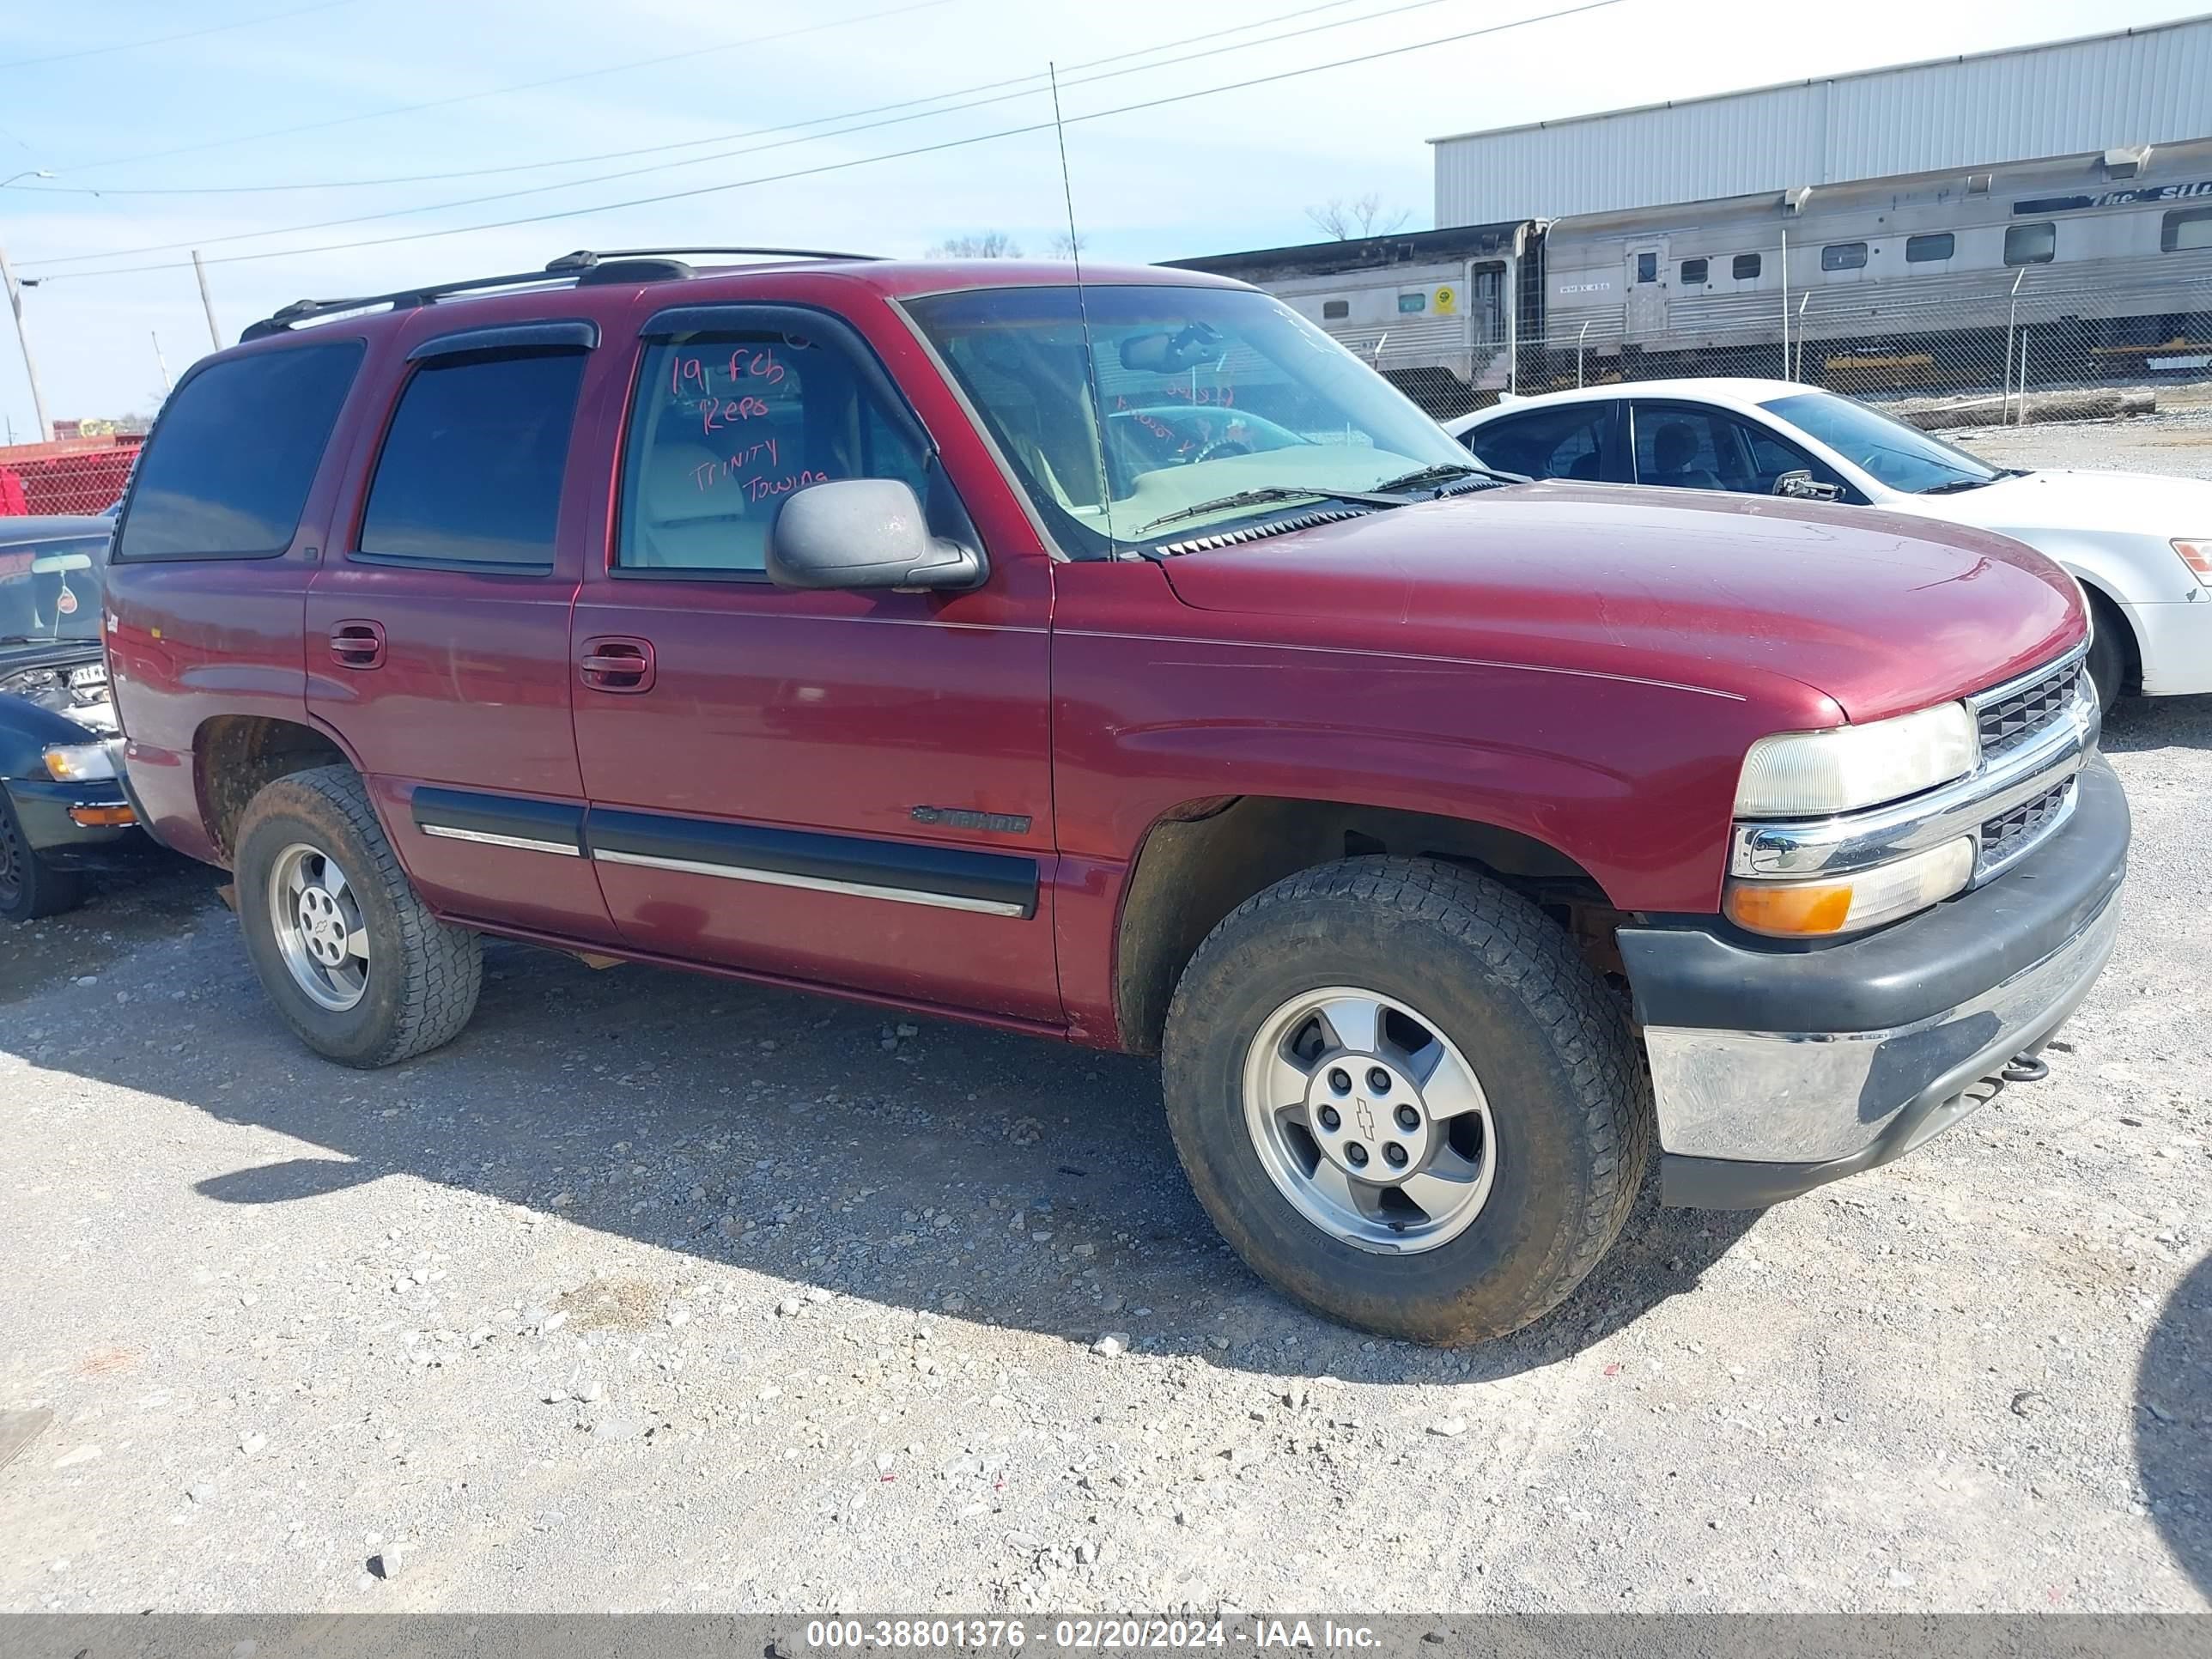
<point>584,258</point>
<point>584,265</point>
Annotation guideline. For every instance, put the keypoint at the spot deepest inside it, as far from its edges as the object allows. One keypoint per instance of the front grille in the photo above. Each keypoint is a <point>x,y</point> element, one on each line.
<point>2014,718</point>
<point>2013,833</point>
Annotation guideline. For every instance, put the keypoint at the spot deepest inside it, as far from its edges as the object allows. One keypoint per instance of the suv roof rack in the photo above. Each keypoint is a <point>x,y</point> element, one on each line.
<point>584,267</point>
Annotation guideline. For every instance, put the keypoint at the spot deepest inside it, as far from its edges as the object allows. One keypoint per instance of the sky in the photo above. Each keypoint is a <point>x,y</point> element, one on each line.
<point>780,126</point>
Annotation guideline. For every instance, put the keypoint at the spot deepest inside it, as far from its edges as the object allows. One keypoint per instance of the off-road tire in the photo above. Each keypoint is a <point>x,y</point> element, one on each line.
<point>31,887</point>
<point>423,976</point>
<point>1571,1105</point>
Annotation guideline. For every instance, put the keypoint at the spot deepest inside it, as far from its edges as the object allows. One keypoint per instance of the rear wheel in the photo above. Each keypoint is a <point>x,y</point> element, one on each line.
<point>1405,1098</point>
<point>29,886</point>
<point>347,952</point>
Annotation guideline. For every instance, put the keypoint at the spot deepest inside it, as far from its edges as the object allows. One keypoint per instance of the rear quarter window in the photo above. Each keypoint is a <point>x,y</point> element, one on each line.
<point>227,472</point>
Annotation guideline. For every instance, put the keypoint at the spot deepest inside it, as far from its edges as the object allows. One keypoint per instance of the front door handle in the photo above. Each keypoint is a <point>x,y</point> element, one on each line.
<point>615,662</point>
<point>357,644</point>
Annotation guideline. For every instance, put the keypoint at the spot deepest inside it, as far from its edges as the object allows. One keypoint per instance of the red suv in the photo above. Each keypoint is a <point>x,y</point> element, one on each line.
<point>1124,663</point>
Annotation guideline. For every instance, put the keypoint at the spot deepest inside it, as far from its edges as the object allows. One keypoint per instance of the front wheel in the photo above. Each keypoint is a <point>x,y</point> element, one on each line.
<point>2107,664</point>
<point>30,888</point>
<point>346,949</point>
<point>1406,1099</point>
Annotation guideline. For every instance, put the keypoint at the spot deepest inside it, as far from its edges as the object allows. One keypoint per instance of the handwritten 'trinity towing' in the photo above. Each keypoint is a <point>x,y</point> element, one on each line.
<point>743,467</point>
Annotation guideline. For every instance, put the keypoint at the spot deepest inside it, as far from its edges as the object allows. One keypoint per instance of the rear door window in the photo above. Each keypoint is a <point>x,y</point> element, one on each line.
<point>227,472</point>
<point>470,476</point>
<point>1567,442</point>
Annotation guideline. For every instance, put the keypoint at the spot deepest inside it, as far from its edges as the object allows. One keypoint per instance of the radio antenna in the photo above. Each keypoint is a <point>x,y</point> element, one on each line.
<point>1083,310</point>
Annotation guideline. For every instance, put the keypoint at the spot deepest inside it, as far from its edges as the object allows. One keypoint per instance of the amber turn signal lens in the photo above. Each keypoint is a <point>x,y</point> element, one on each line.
<point>93,817</point>
<point>1798,911</point>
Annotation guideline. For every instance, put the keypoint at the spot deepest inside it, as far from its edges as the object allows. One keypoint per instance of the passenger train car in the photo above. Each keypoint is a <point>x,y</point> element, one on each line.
<point>1914,282</point>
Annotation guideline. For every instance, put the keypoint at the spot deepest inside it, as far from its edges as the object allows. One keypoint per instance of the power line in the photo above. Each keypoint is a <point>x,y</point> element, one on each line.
<point>51,260</point>
<point>687,54</point>
<point>864,160</point>
<point>165,39</point>
<point>683,143</point>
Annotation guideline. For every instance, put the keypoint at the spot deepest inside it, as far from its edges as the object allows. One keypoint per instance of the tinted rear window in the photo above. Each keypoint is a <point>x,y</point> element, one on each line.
<point>471,472</point>
<point>228,470</point>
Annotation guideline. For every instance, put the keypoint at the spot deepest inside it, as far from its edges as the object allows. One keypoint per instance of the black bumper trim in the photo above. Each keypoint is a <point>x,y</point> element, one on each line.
<point>1700,975</point>
<point>42,808</point>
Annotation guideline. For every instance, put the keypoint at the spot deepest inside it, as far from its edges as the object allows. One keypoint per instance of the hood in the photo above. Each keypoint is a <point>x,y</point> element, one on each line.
<point>1881,613</point>
<point>2131,503</point>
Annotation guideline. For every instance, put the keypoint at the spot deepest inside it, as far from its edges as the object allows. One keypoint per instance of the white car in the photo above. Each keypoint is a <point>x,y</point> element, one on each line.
<point>2141,546</point>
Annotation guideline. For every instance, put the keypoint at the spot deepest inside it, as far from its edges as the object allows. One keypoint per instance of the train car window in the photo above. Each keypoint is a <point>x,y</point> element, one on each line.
<point>1746,269</point>
<point>1918,249</point>
<point>1335,310</point>
<point>1844,256</point>
<point>2186,228</point>
<point>1566,442</point>
<point>1647,267</point>
<point>2031,245</point>
<point>1693,272</point>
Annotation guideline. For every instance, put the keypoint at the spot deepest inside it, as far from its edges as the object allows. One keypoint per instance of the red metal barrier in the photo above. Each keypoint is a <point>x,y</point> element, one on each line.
<point>76,475</point>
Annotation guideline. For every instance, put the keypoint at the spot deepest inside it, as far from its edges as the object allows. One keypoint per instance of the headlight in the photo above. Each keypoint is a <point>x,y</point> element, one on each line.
<point>2197,556</point>
<point>1844,904</point>
<point>1803,774</point>
<point>80,762</point>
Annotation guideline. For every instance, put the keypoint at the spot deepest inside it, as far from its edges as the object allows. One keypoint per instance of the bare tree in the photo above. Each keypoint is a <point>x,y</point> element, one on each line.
<point>1364,215</point>
<point>985,245</point>
<point>1066,245</point>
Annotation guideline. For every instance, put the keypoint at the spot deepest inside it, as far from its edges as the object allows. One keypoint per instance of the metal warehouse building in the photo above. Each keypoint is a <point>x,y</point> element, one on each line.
<point>2145,86</point>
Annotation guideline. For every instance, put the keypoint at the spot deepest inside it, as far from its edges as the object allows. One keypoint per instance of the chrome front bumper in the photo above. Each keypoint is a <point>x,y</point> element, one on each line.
<point>1776,1069</point>
<point>1816,1097</point>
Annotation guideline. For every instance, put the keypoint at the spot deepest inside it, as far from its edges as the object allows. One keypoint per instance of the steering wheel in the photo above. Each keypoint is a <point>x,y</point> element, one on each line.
<point>1219,448</point>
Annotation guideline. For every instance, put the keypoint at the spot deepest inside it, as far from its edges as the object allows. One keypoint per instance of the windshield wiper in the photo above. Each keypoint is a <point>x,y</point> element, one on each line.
<point>1952,486</point>
<point>1266,494</point>
<point>1443,473</point>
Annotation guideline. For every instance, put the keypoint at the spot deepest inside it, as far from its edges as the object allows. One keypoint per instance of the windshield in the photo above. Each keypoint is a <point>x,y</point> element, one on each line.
<point>1903,457</point>
<point>51,590</point>
<point>1205,393</point>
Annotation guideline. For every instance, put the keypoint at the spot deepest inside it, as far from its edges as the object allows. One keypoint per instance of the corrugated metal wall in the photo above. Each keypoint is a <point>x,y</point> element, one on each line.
<point>2148,86</point>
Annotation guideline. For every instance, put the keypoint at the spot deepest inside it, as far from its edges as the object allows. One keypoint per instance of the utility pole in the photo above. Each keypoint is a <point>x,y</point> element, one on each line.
<point>30,368</point>
<point>161,363</point>
<point>206,304</point>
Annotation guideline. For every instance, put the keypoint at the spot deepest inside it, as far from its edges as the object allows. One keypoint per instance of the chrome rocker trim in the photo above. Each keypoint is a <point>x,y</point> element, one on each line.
<point>527,843</point>
<point>813,883</point>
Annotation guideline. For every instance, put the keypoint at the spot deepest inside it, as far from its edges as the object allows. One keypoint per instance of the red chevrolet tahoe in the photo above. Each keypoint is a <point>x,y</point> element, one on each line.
<point>1122,662</point>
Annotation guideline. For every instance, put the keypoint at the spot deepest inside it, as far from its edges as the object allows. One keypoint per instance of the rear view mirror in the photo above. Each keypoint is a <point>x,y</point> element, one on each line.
<point>864,532</point>
<point>1164,353</point>
<point>1804,487</point>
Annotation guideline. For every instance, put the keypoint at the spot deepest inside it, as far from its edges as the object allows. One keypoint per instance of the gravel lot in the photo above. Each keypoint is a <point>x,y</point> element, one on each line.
<point>658,1293</point>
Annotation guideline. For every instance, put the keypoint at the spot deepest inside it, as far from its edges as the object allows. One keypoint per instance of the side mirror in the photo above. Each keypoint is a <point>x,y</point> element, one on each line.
<point>864,532</point>
<point>1803,486</point>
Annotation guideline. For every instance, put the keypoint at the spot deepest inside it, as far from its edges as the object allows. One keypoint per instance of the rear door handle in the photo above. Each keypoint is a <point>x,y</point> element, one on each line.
<point>615,662</point>
<point>357,644</point>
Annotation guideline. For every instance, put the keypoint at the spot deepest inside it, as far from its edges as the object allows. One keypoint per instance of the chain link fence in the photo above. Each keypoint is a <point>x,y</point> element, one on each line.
<point>73,476</point>
<point>2036,346</point>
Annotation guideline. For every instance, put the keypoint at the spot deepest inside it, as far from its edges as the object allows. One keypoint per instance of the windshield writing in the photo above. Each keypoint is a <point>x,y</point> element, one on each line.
<point>1202,395</point>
